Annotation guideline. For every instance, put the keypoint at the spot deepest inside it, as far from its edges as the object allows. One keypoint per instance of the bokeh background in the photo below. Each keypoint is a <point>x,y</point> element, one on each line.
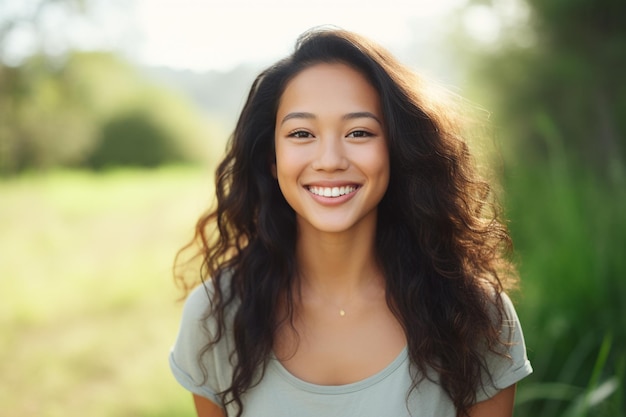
<point>114,113</point>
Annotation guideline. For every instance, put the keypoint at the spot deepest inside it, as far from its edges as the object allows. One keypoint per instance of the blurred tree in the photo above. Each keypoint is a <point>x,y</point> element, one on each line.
<point>564,65</point>
<point>36,106</point>
<point>58,114</point>
<point>54,101</point>
<point>25,28</point>
<point>553,73</point>
<point>133,139</point>
<point>43,121</point>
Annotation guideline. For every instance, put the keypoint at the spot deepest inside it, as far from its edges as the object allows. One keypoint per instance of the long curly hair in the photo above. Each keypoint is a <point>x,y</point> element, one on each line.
<point>441,246</point>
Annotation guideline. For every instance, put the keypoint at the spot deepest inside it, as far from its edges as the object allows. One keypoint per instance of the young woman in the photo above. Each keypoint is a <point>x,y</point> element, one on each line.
<point>352,266</point>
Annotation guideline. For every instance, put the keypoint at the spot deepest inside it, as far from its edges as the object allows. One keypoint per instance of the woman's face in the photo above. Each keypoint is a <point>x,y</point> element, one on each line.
<point>332,162</point>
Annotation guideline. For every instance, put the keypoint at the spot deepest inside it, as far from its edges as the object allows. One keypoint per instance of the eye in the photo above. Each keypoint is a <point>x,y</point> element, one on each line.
<point>359,134</point>
<point>300,134</point>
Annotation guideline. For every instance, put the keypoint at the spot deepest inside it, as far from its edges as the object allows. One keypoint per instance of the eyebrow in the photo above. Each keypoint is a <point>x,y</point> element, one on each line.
<point>349,116</point>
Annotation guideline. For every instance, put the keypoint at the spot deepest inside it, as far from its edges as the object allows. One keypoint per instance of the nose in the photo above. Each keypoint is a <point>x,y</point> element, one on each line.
<point>330,155</point>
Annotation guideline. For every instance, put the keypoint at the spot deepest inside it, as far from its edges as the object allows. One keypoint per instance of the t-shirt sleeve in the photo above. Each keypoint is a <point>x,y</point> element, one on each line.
<point>192,339</point>
<point>506,371</point>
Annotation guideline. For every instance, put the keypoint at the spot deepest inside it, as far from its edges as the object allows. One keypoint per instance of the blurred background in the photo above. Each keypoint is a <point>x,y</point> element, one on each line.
<point>113,114</point>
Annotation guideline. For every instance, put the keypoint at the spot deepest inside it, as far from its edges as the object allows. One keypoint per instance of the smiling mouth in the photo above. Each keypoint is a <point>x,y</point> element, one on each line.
<point>332,191</point>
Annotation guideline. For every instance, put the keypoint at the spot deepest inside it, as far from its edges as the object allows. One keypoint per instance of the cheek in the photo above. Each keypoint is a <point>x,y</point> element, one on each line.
<point>287,169</point>
<point>383,174</point>
<point>289,160</point>
<point>376,162</point>
<point>381,171</point>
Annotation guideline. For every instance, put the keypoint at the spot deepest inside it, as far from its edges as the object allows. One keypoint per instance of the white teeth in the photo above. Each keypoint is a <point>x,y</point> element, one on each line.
<point>332,191</point>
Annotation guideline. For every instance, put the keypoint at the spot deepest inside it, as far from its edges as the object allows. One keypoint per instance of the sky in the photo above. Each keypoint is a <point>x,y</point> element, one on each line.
<point>220,34</point>
<point>201,35</point>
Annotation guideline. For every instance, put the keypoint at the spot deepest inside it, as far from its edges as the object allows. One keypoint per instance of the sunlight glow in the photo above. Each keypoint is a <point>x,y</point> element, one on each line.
<point>220,34</point>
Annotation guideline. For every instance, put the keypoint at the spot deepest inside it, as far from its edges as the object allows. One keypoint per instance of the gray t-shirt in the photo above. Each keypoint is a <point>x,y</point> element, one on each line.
<point>281,394</point>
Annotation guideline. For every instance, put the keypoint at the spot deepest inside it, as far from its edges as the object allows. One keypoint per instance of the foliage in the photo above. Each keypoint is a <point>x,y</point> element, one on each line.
<point>30,21</point>
<point>57,112</point>
<point>133,140</point>
<point>42,122</point>
<point>568,73</point>
<point>556,83</point>
<point>59,107</point>
<point>570,232</point>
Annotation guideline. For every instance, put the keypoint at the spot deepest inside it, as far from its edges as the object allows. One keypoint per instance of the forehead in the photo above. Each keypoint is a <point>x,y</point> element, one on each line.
<point>327,88</point>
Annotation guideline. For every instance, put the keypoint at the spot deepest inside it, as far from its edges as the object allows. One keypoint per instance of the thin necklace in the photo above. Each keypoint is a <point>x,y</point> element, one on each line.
<point>342,311</point>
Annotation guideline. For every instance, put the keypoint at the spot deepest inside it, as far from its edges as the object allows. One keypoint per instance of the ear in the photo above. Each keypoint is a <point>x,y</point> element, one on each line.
<point>273,170</point>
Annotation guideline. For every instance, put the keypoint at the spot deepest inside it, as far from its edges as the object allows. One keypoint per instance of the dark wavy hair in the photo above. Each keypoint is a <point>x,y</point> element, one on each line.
<point>441,247</point>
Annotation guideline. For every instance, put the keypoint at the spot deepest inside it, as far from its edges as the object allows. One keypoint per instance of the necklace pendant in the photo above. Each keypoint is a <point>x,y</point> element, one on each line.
<point>342,312</point>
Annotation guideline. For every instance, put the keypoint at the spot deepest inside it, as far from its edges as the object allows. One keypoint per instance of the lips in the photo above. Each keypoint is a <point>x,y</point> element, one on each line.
<point>332,192</point>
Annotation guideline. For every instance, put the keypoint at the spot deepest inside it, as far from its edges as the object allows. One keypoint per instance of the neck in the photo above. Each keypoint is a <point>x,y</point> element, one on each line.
<point>337,266</point>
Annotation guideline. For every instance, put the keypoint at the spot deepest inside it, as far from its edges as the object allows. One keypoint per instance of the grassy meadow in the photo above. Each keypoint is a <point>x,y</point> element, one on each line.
<point>88,307</point>
<point>569,229</point>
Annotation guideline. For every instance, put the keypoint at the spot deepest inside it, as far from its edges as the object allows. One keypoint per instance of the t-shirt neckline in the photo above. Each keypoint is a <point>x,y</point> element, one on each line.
<point>339,389</point>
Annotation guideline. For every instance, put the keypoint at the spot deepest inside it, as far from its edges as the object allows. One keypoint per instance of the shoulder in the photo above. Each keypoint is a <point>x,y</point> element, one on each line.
<point>498,303</point>
<point>510,326</point>
<point>197,325</point>
<point>509,363</point>
<point>198,361</point>
<point>200,303</point>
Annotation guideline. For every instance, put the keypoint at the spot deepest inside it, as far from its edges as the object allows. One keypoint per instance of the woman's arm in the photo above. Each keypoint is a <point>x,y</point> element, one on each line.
<point>500,405</point>
<point>206,407</point>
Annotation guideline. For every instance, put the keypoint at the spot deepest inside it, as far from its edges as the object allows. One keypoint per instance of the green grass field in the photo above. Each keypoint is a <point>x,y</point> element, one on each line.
<point>569,228</point>
<point>88,307</point>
